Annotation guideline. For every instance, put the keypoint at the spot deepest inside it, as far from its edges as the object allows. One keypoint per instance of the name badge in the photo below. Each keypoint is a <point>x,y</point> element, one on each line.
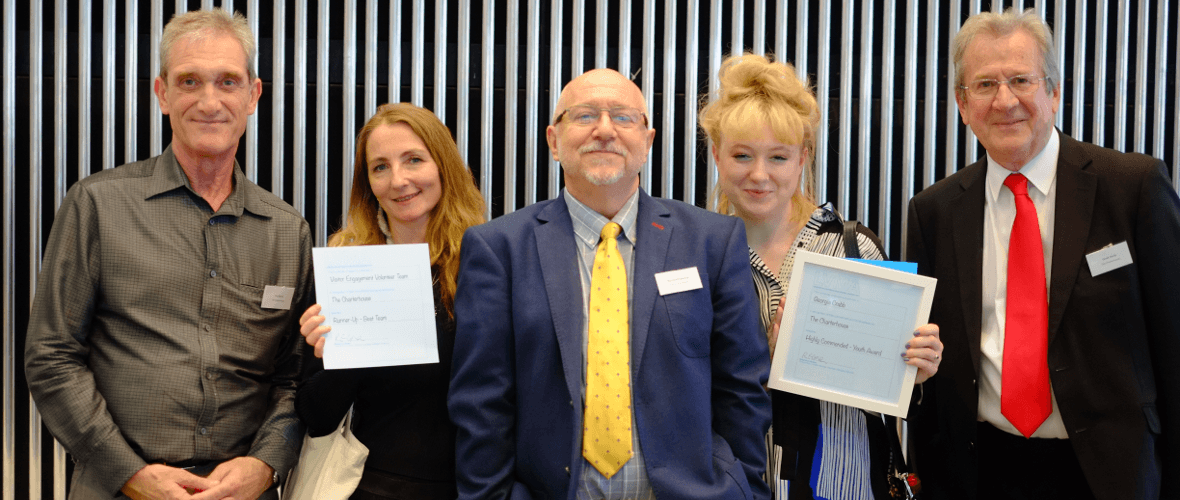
<point>277,297</point>
<point>680,280</point>
<point>1109,258</point>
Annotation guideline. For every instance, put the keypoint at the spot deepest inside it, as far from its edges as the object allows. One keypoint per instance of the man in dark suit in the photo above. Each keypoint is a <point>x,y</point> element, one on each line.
<point>529,351</point>
<point>1057,297</point>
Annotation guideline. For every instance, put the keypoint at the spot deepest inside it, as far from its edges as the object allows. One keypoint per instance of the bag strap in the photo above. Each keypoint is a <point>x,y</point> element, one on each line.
<point>895,443</point>
<point>346,426</point>
<point>851,248</point>
<point>910,487</point>
<point>897,464</point>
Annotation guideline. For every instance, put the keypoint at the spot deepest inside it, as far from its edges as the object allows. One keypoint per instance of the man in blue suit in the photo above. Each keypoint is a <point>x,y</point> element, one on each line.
<point>695,353</point>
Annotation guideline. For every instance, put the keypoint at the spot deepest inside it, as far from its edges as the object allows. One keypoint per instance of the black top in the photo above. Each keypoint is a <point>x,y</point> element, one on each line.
<point>401,411</point>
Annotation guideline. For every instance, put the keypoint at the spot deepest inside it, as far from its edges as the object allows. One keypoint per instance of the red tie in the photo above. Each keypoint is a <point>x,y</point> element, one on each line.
<point>1024,395</point>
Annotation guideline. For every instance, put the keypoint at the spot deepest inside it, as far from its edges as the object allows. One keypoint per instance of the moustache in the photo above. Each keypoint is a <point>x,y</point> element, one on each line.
<point>605,147</point>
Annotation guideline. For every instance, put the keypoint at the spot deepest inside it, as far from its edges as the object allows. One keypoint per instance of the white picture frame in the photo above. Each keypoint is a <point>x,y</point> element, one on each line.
<point>844,329</point>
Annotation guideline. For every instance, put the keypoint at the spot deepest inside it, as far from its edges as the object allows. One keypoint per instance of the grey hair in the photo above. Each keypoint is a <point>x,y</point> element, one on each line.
<point>1004,24</point>
<point>202,23</point>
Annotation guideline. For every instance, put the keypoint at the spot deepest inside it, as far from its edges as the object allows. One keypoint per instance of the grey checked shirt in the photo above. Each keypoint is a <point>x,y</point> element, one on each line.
<point>148,342</point>
<point>630,482</point>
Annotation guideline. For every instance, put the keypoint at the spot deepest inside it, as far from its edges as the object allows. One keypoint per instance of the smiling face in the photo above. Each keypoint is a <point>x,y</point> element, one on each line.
<point>1013,128</point>
<point>759,174</point>
<point>404,179</point>
<point>600,154</point>
<point>207,94</point>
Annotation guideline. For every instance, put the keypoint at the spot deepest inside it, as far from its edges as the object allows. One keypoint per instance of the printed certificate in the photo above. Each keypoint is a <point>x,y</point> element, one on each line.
<point>845,325</point>
<point>379,301</point>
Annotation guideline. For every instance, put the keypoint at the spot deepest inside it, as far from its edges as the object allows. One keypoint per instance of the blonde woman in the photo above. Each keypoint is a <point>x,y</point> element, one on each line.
<point>409,186</point>
<point>762,124</point>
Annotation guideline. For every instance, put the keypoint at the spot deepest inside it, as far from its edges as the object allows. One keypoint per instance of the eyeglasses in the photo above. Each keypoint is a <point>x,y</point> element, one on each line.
<point>621,117</point>
<point>986,88</point>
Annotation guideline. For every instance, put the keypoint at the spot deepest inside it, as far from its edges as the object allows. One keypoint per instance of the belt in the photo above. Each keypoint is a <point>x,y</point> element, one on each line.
<point>197,467</point>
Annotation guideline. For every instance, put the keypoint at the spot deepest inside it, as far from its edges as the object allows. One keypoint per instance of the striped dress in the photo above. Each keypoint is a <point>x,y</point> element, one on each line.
<point>844,471</point>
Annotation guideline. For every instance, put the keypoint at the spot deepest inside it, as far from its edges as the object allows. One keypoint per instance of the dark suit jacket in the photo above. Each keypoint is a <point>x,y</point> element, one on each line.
<point>1113,338</point>
<point>699,358</point>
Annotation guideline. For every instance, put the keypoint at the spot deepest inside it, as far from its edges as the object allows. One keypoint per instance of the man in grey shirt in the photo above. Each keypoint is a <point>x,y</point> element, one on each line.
<point>162,347</point>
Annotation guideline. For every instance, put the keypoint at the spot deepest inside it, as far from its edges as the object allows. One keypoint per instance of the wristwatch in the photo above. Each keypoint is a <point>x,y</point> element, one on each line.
<point>274,478</point>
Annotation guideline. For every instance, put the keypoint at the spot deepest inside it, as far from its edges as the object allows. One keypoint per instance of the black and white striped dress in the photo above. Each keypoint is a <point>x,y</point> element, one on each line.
<point>844,472</point>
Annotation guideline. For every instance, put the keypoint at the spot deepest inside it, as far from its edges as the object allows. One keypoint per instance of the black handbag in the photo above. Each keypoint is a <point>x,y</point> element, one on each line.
<point>903,485</point>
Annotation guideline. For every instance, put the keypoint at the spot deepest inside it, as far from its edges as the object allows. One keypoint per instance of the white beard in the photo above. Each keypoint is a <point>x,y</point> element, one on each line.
<point>604,178</point>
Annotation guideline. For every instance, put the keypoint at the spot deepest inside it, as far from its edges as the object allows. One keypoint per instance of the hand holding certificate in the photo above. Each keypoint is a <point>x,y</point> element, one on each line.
<point>844,326</point>
<point>379,302</point>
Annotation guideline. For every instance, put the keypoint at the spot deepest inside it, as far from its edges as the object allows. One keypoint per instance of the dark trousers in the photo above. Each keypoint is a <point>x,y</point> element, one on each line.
<point>380,485</point>
<point>1013,467</point>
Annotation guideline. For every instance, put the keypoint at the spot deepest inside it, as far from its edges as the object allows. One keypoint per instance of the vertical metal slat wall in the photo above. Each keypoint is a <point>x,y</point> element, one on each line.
<point>880,69</point>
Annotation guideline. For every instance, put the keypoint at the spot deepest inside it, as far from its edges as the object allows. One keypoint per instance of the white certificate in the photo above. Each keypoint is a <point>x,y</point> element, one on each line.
<point>844,329</point>
<point>379,301</point>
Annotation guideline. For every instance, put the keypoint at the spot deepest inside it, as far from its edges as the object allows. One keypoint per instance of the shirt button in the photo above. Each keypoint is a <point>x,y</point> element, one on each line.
<point>212,222</point>
<point>206,327</point>
<point>209,375</point>
<point>213,273</point>
<point>204,431</point>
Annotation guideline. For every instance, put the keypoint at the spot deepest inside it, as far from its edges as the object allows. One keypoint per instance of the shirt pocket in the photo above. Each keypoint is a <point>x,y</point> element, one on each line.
<point>248,327</point>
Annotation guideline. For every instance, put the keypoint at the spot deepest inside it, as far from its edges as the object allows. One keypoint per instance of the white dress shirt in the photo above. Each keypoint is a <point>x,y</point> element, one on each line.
<point>999,213</point>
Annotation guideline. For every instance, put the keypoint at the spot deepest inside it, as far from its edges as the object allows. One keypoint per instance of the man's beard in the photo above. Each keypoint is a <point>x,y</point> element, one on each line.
<point>608,177</point>
<point>604,178</point>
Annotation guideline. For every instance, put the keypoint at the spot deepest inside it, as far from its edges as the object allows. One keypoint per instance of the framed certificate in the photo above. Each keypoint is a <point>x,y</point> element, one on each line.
<point>844,329</point>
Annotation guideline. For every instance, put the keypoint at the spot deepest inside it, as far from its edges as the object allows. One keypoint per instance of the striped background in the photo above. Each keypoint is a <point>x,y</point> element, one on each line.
<point>77,76</point>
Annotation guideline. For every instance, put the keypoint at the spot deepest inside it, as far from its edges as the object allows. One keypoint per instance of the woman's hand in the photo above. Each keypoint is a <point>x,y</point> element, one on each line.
<point>924,351</point>
<point>311,326</point>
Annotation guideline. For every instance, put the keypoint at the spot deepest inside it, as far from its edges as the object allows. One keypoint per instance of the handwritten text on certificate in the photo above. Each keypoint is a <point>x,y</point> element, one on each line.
<point>379,301</point>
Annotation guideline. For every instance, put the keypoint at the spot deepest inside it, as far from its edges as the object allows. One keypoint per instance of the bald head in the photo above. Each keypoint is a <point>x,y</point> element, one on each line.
<point>604,82</point>
<point>600,154</point>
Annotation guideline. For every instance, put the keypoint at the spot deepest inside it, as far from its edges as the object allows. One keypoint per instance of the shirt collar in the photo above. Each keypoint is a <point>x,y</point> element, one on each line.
<point>1040,171</point>
<point>168,175</point>
<point>588,224</point>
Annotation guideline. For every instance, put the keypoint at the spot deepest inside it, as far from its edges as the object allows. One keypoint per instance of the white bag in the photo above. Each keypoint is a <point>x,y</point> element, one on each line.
<point>329,466</point>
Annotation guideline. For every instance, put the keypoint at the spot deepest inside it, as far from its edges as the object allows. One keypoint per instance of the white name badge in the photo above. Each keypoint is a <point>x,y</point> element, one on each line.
<point>1109,258</point>
<point>680,280</point>
<point>277,297</point>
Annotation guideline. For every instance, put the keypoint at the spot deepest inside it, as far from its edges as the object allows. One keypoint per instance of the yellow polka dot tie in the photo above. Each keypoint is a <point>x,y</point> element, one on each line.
<point>606,440</point>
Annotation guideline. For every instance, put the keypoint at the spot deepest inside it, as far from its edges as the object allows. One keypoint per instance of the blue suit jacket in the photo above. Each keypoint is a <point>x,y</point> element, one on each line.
<point>699,358</point>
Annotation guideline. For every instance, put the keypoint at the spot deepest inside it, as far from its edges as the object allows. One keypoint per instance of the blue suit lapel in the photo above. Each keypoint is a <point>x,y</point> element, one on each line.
<point>554,236</point>
<point>654,227</point>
